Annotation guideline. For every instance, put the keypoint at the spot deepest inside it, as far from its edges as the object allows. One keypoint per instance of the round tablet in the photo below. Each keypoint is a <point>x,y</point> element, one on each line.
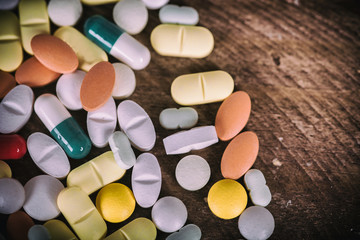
<point>169,214</point>
<point>18,225</point>
<point>115,202</point>
<point>54,53</point>
<point>227,199</point>
<point>192,172</point>
<point>38,232</point>
<point>12,195</point>
<point>125,81</point>
<point>65,12</point>
<point>7,82</point>
<point>5,170</point>
<point>256,223</point>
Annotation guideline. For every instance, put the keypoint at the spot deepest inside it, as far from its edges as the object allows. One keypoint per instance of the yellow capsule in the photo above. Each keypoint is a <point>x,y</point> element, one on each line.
<point>5,170</point>
<point>59,231</point>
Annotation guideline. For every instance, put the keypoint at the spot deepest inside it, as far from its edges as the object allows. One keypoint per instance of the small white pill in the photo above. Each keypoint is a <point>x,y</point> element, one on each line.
<point>169,214</point>
<point>65,12</point>
<point>68,89</point>
<point>121,147</point>
<point>41,194</point>
<point>38,232</point>
<point>188,232</point>
<point>155,4</point>
<point>16,109</point>
<point>12,195</point>
<point>146,180</point>
<point>172,118</point>
<point>101,123</point>
<point>259,192</point>
<point>48,155</point>
<point>174,14</point>
<point>256,223</point>
<point>130,15</point>
<point>125,81</point>
<point>193,139</point>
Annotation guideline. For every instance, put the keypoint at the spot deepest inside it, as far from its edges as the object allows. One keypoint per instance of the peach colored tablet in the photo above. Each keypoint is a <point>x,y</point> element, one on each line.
<point>7,82</point>
<point>34,74</point>
<point>18,225</point>
<point>97,86</point>
<point>54,53</point>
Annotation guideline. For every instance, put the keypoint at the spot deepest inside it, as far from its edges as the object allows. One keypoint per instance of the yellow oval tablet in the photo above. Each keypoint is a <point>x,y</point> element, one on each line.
<point>182,41</point>
<point>59,231</point>
<point>98,2</point>
<point>201,88</point>
<point>115,202</point>
<point>139,228</point>
<point>227,199</point>
<point>5,170</point>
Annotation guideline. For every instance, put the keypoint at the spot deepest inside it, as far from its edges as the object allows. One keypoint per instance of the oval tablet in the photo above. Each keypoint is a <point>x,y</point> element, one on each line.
<point>259,192</point>
<point>137,125</point>
<point>65,12</point>
<point>201,88</point>
<point>8,5</point>
<point>16,109</point>
<point>182,41</point>
<point>97,86</point>
<point>239,155</point>
<point>7,82</point>
<point>174,14</point>
<point>232,115</point>
<point>59,230</point>
<point>121,148</point>
<point>172,118</point>
<point>98,2</point>
<point>146,180</point>
<point>48,155</point>
<point>125,81</point>
<point>38,232</point>
<point>12,195</point>
<point>188,232</point>
<point>12,146</point>
<point>18,225</point>
<point>155,4</point>
<point>5,170</point>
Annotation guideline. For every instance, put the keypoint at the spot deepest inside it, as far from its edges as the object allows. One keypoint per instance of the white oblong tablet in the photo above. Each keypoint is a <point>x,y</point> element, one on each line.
<point>12,195</point>
<point>259,192</point>
<point>101,123</point>
<point>146,180</point>
<point>125,81</point>
<point>137,125</point>
<point>169,214</point>
<point>65,12</point>
<point>154,4</point>
<point>184,117</point>
<point>192,172</point>
<point>38,232</point>
<point>16,109</point>
<point>174,14</point>
<point>193,139</point>
<point>41,194</point>
<point>48,155</point>
<point>121,148</point>
<point>68,89</point>
<point>188,232</point>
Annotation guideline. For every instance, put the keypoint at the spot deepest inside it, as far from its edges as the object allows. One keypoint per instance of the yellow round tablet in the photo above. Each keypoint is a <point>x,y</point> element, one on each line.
<point>5,170</point>
<point>227,199</point>
<point>115,202</point>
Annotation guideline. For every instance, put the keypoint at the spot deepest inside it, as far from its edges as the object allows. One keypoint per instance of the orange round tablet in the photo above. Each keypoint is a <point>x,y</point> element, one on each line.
<point>34,74</point>
<point>7,82</point>
<point>239,155</point>
<point>232,115</point>
<point>97,86</point>
<point>18,225</point>
<point>54,53</point>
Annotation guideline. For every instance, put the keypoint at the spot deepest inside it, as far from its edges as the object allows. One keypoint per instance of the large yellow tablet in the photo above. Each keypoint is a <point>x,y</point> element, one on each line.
<point>139,228</point>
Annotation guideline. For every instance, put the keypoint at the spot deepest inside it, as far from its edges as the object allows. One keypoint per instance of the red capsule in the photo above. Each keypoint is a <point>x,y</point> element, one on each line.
<point>12,146</point>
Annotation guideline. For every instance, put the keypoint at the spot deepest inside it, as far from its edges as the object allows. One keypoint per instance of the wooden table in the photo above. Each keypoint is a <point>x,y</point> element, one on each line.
<point>300,63</point>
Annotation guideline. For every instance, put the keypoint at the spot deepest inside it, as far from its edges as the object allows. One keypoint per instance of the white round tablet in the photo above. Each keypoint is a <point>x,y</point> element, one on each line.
<point>125,81</point>
<point>169,214</point>
<point>38,232</point>
<point>65,12</point>
<point>12,195</point>
<point>192,172</point>
<point>155,4</point>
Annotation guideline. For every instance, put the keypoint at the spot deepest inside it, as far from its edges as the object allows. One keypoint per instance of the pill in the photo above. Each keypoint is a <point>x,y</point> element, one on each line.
<point>232,115</point>
<point>81,214</point>
<point>16,109</point>
<point>116,42</point>
<point>98,2</point>
<point>115,202</point>
<point>12,195</point>
<point>8,5</point>
<point>95,173</point>
<point>38,232</point>
<point>97,86</point>
<point>227,199</point>
<point>68,89</point>
<point>155,4</point>
<point>137,125</point>
<point>188,232</point>
<point>146,180</point>
<point>48,155</point>
<point>239,155</point>
<point>184,117</point>
<point>182,41</point>
<point>130,15</point>
<point>201,88</point>
<point>34,20</point>
<point>174,14</point>
<point>18,225</point>
<point>10,45</point>
<point>7,82</point>
<point>192,172</point>
<point>41,193</point>
<point>59,230</point>
<point>139,228</point>
<point>169,214</point>
<point>125,81</point>
<point>187,140</point>
<point>121,148</point>
<point>259,192</point>
<point>5,170</point>
<point>62,126</point>
<point>64,12</point>
<point>256,223</point>
<point>12,146</point>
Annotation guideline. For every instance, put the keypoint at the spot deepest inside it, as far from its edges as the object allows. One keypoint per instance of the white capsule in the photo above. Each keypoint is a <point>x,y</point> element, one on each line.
<point>178,15</point>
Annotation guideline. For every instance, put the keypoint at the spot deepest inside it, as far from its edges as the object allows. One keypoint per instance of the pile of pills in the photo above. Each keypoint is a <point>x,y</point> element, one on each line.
<point>87,81</point>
